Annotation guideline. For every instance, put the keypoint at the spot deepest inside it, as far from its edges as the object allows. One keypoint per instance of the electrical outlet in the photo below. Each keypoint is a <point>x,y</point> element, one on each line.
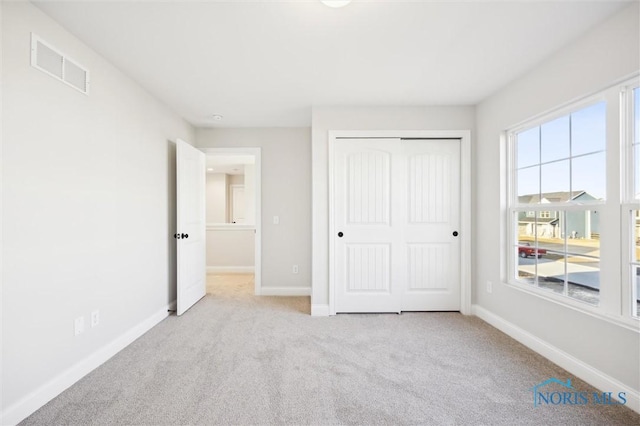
<point>78,325</point>
<point>95,318</point>
<point>295,269</point>
<point>276,220</point>
<point>489,287</point>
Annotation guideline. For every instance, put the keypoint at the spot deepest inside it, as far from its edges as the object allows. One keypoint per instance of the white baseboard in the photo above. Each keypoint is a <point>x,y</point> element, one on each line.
<point>36,399</point>
<point>575,366</point>
<point>230,269</point>
<point>319,310</point>
<point>285,291</point>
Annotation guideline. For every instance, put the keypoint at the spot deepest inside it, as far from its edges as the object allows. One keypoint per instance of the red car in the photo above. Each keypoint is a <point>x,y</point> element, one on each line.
<point>525,250</point>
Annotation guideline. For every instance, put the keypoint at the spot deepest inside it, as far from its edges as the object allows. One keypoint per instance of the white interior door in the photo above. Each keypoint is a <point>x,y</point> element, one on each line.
<point>237,204</point>
<point>432,244</point>
<point>369,233</point>
<point>191,225</point>
<point>396,210</point>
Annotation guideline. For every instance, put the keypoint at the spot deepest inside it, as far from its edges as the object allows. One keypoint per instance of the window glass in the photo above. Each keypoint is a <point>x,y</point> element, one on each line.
<point>529,185</point>
<point>588,177</point>
<point>565,158</point>
<point>555,140</point>
<point>559,251</point>
<point>550,251</point>
<point>560,176</point>
<point>555,179</point>
<point>528,147</point>
<point>583,279</point>
<point>525,245</point>
<point>588,129</point>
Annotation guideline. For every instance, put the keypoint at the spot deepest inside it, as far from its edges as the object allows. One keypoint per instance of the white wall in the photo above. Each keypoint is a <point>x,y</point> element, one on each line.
<point>607,53</point>
<point>286,185</point>
<point>88,212</point>
<point>325,119</point>
<point>236,179</point>
<point>216,198</point>
<point>230,250</point>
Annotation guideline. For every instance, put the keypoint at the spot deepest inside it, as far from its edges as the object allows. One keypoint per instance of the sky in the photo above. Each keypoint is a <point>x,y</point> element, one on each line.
<point>566,154</point>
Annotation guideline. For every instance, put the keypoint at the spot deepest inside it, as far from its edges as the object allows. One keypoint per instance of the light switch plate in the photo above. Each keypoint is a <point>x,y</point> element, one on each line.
<point>95,318</point>
<point>78,325</point>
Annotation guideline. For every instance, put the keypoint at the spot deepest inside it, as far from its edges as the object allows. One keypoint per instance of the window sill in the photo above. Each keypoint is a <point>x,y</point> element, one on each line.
<point>632,323</point>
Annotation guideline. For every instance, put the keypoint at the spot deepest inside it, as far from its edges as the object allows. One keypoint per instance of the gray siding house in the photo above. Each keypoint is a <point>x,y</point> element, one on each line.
<point>552,224</point>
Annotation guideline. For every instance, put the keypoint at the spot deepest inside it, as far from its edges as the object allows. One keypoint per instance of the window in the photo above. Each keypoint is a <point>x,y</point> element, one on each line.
<point>560,163</point>
<point>632,209</point>
<point>561,216</point>
<point>635,124</point>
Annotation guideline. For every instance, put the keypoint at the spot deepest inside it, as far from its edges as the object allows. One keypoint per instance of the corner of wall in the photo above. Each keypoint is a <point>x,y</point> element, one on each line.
<point>45,393</point>
<point>584,371</point>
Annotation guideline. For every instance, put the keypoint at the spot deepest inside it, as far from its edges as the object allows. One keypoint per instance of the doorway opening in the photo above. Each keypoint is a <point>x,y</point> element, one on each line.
<point>233,229</point>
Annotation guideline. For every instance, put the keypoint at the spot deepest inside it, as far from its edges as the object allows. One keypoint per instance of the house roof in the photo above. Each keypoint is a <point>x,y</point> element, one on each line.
<point>554,197</point>
<point>541,220</point>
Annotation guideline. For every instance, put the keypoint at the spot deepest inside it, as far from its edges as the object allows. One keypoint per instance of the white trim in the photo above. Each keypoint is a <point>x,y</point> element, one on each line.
<point>45,393</point>
<point>575,366</point>
<point>230,270</point>
<point>257,153</point>
<point>465,199</point>
<point>286,291</point>
<point>320,310</point>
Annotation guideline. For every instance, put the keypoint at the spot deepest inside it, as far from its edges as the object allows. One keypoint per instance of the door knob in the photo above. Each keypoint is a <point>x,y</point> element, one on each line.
<point>455,233</point>
<point>340,234</point>
<point>180,236</point>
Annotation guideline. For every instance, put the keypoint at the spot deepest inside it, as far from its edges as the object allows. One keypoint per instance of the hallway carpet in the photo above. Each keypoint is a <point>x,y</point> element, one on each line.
<point>237,359</point>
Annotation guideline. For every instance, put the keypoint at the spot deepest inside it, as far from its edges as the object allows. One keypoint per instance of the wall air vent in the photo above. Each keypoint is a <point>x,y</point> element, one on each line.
<point>48,59</point>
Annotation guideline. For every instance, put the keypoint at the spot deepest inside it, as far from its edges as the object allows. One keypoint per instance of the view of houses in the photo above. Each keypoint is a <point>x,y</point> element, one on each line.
<point>554,224</point>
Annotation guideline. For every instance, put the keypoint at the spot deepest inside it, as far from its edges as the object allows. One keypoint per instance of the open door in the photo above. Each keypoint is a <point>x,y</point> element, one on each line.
<point>191,225</point>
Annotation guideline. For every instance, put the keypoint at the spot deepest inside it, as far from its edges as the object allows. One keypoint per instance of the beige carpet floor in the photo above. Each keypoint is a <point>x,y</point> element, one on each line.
<point>237,359</point>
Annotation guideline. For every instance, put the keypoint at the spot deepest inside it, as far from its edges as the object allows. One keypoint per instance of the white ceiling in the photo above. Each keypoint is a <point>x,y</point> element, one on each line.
<point>266,63</point>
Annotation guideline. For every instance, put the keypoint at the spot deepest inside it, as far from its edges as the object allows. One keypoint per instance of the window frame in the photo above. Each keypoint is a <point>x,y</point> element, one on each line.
<point>615,300</point>
<point>629,202</point>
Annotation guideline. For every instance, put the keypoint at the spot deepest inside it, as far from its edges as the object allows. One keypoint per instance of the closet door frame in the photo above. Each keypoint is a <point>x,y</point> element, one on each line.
<point>464,136</point>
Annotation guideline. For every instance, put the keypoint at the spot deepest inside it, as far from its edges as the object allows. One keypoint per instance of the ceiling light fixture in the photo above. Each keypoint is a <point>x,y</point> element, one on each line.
<point>217,117</point>
<point>336,3</point>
